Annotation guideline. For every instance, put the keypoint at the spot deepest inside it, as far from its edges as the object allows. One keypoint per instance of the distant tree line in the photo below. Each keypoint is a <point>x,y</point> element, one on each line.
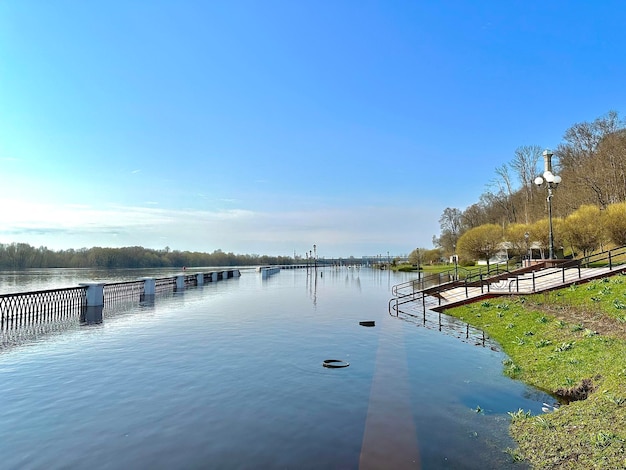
<point>591,160</point>
<point>23,255</point>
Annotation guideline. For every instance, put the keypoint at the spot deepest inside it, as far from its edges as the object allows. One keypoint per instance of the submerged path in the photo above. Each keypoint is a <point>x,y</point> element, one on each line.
<point>390,435</point>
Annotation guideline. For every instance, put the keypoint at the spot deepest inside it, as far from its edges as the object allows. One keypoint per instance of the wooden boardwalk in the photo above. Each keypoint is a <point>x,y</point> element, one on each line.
<point>410,300</point>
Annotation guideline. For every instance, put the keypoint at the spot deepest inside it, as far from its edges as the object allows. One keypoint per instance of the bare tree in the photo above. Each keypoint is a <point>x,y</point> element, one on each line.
<point>592,157</point>
<point>525,165</point>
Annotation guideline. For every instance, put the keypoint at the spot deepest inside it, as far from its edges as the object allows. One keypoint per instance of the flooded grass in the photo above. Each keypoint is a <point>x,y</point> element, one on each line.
<point>572,344</point>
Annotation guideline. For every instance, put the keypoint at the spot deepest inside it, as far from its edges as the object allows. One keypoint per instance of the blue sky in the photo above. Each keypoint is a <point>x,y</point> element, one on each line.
<point>269,126</point>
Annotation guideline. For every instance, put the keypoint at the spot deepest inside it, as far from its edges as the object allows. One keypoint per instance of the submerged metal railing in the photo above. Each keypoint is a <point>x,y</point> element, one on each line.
<point>19,310</point>
<point>119,291</point>
<point>165,284</point>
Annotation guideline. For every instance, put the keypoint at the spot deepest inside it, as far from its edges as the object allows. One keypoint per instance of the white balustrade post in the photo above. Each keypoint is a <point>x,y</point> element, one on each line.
<point>180,282</point>
<point>149,286</point>
<point>149,291</point>
<point>95,294</point>
<point>92,313</point>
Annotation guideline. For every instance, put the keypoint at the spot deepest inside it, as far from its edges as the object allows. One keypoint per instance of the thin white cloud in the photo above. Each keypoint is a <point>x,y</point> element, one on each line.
<point>338,232</point>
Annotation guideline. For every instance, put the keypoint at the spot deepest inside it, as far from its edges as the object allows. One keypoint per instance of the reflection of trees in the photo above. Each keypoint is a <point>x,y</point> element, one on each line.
<point>23,255</point>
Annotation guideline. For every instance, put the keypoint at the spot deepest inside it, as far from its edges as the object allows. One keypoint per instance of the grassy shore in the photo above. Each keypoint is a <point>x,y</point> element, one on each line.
<point>571,343</point>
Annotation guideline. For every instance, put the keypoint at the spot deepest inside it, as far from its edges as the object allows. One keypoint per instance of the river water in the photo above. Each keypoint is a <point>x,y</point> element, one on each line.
<point>230,376</point>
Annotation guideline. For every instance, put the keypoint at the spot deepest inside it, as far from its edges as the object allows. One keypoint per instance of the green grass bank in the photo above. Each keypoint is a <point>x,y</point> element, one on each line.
<point>570,343</point>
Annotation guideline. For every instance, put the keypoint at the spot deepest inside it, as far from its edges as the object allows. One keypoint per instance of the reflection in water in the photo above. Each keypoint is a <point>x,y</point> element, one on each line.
<point>18,329</point>
<point>35,332</point>
<point>311,282</point>
<point>223,376</point>
<point>314,276</point>
<point>449,325</point>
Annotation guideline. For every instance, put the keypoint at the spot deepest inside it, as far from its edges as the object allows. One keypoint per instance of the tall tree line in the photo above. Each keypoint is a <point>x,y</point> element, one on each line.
<point>23,255</point>
<point>591,160</point>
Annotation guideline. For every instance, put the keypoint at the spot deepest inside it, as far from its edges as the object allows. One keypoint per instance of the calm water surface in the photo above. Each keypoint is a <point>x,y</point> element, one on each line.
<point>230,376</point>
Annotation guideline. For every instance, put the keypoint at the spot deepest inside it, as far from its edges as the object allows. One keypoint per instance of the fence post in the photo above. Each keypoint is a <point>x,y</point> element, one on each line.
<point>149,286</point>
<point>149,291</point>
<point>563,274</point>
<point>482,291</point>
<point>95,304</point>
<point>95,294</point>
<point>180,282</point>
<point>534,290</point>
<point>610,262</point>
<point>466,293</point>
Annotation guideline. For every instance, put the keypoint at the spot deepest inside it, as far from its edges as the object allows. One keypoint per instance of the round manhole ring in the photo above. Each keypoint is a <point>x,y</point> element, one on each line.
<point>335,363</point>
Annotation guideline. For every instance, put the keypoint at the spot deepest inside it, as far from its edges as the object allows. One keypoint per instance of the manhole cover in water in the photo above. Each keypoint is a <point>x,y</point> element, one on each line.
<point>335,363</point>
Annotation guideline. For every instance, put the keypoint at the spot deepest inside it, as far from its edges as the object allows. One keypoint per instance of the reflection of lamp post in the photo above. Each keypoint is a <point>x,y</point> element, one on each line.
<point>551,181</point>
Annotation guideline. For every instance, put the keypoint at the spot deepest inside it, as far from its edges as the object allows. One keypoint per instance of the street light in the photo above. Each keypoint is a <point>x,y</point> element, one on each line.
<point>527,238</point>
<point>550,181</point>
<point>456,265</point>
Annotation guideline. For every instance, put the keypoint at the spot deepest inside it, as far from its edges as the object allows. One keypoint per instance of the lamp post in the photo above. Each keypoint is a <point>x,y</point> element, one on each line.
<point>456,263</point>
<point>550,181</point>
<point>527,238</point>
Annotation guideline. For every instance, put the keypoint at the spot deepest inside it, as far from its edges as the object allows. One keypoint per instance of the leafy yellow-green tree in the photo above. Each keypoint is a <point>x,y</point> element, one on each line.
<point>615,223</point>
<point>480,242</point>
<point>584,229</point>
<point>516,236</point>
<point>540,234</point>
<point>420,256</point>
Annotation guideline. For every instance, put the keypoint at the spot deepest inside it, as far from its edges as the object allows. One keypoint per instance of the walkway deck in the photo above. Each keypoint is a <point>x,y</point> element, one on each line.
<point>410,300</point>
